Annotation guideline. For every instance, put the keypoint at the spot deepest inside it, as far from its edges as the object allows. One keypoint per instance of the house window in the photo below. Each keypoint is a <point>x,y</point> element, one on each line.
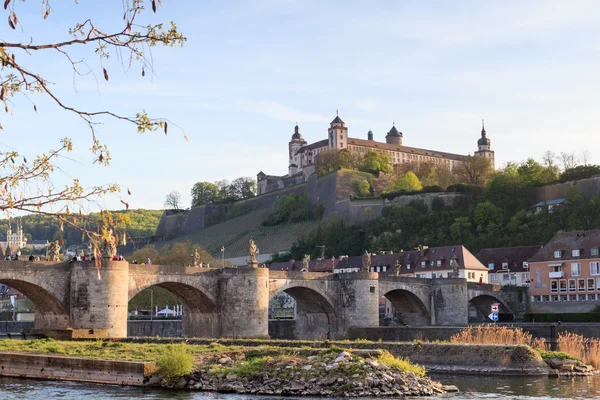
<point>506,277</point>
<point>594,268</point>
<point>590,285</point>
<point>526,277</point>
<point>372,269</point>
<point>594,251</point>
<point>554,286</point>
<point>563,285</point>
<point>575,253</point>
<point>408,266</point>
<point>581,285</point>
<point>422,264</point>
<point>575,269</point>
<point>439,263</point>
<point>377,269</point>
<point>572,285</point>
<point>384,268</point>
<point>491,265</point>
<point>504,265</point>
<point>557,254</point>
<point>597,283</point>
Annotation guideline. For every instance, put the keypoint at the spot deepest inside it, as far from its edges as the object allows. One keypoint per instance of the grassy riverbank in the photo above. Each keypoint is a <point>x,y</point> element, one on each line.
<point>257,356</point>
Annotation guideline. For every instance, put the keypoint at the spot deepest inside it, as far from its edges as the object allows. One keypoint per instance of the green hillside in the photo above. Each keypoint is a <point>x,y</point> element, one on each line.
<point>235,233</point>
<point>142,223</point>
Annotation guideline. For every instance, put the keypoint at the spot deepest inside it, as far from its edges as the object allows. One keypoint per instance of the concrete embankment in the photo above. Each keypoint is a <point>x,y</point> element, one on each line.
<point>71,369</point>
<point>481,359</point>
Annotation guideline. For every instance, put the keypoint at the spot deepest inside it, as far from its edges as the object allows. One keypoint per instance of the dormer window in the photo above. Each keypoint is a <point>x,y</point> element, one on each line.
<point>594,251</point>
<point>504,265</point>
<point>408,266</point>
<point>557,254</point>
<point>491,265</point>
<point>575,253</point>
<point>439,263</point>
<point>423,264</point>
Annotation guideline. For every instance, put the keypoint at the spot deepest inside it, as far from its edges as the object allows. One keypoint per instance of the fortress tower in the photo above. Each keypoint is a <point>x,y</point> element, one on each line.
<point>295,161</point>
<point>338,134</point>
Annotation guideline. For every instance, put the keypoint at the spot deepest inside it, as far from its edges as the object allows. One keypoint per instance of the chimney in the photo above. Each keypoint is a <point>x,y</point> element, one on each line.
<point>422,250</point>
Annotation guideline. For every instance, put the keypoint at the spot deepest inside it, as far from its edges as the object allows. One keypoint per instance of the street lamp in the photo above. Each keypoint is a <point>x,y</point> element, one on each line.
<point>223,255</point>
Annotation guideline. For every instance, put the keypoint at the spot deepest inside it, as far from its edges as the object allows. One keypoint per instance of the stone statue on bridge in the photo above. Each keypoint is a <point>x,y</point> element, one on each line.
<point>252,250</point>
<point>109,248</point>
<point>305,263</point>
<point>54,251</point>
<point>366,262</point>
<point>397,268</point>
<point>454,264</point>
<point>195,258</point>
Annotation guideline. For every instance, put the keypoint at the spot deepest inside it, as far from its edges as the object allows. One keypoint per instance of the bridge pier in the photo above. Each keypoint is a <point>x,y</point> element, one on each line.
<point>99,299</point>
<point>244,302</point>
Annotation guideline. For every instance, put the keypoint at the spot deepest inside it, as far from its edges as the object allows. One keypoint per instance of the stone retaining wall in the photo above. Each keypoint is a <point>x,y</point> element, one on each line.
<point>71,369</point>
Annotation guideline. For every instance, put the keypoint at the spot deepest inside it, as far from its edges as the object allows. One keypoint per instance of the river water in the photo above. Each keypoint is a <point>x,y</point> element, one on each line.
<point>472,387</point>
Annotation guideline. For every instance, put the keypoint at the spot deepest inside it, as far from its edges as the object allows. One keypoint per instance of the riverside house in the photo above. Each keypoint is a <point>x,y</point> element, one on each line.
<point>508,265</point>
<point>565,273</point>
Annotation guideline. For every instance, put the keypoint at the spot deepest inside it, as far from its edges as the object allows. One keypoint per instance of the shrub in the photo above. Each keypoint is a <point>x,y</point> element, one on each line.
<point>175,363</point>
<point>400,364</point>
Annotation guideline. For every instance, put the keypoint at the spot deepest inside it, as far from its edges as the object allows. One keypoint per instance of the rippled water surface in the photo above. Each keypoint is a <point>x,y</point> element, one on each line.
<point>472,387</point>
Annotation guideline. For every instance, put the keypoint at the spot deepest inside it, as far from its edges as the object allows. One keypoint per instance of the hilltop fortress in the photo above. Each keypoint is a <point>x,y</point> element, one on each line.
<point>303,156</point>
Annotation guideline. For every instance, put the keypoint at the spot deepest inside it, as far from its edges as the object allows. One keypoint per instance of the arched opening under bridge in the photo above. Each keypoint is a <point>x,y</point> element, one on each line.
<point>309,315</point>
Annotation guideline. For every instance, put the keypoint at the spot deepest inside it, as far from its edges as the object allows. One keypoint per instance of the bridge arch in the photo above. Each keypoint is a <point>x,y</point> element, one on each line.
<point>406,308</point>
<point>315,316</point>
<point>480,307</point>
<point>50,311</point>
<point>200,311</point>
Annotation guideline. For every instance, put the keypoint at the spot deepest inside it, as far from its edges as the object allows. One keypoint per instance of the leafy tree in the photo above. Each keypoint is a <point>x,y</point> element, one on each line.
<point>203,193</point>
<point>580,172</point>
<point>461,229</point>
<point>487,218</point>
<point>349,160</point>
<point>509,192</point>
<point>530,170</point>
<point>173,200</point>
<point>243,188</point>
<point>407,183</point>
<point>375,162</point>
<point>362,188</point>
<point>180,253</point>
<point>327,161</point>
<point>473,170</point>
<point>27,185</point>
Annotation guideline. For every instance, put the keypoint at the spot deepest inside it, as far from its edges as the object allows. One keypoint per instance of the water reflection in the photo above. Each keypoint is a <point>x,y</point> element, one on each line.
<point>472,387</point>
<point>534,387</point>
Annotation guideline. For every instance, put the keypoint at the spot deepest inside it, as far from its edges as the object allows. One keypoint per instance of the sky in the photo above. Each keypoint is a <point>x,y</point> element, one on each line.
<point>251,69</point>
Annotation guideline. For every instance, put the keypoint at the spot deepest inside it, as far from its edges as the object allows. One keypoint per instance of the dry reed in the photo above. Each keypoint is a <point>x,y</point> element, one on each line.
<point>492,334</point>
<point>587,350</point>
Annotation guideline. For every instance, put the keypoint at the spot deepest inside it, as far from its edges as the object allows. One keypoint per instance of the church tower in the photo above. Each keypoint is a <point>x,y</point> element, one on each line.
<point>338,134</point>
<point>484,148</point>
<point>295,161</point>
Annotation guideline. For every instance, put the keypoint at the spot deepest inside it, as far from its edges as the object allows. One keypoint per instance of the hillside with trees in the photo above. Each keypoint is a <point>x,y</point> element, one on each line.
<point>496,212</point>
<point>136,223</point>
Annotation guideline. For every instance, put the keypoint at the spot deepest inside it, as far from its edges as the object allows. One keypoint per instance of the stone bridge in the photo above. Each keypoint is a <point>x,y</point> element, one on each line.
<point>78,300</point>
